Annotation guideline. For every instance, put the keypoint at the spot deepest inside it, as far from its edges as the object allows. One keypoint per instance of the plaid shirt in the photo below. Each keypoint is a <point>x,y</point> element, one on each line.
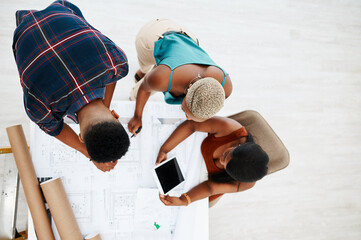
<point>63,62</point>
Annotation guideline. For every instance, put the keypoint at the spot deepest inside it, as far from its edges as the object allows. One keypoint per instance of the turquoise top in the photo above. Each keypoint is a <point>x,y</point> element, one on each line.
<point>175,50</point>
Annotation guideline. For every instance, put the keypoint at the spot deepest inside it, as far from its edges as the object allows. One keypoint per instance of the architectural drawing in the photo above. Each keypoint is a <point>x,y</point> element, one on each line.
<point>106,202</point>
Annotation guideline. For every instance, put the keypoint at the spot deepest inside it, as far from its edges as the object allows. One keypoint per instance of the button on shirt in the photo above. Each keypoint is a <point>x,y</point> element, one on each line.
<point>64,63</point>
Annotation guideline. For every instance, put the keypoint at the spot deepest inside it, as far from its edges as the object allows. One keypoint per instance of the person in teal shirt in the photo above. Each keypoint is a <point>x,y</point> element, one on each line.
<point>171,61</point>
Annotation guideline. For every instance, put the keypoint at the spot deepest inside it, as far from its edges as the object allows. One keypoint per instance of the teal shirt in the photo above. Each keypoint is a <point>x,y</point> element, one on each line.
<point>175,50</point>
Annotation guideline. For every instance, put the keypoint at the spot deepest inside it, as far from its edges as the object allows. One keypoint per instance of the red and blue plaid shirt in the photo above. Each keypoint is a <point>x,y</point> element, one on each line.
<point>64,63</point>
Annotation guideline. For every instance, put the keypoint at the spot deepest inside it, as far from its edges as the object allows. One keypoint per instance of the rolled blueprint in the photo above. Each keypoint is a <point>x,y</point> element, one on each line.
<point>93,237</point>
<point>30,182</point>
<point>61,210</point>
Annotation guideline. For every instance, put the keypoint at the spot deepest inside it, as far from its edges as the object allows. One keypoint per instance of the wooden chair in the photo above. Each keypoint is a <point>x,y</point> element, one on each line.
<point>264,136</point>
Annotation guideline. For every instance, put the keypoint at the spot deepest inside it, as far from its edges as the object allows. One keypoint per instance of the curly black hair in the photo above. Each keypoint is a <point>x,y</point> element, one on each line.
<point>106,141</point>
<point>249,163</point>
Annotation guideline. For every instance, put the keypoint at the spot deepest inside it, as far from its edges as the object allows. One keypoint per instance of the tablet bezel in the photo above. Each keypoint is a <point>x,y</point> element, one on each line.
<point>155,176</point>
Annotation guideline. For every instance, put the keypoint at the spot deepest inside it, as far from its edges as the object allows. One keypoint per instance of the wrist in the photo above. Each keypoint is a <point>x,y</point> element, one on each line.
<point>137,115</point>
<point>185,199</point>
<point>162,150</point>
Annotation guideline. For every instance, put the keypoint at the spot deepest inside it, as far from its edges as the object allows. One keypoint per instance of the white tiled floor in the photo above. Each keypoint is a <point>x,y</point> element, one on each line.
<point>296,62</point>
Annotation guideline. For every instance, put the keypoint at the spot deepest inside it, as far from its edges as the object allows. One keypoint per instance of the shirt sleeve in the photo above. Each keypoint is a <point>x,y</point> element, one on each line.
<point>53,128</point>
<point>47,121</point>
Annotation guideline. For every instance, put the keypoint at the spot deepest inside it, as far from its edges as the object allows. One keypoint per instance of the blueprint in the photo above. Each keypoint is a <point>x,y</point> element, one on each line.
<point>121,203</point>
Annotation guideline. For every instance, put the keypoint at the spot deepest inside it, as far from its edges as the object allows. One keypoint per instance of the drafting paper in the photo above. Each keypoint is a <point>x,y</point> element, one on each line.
<point>152,218</point>
<point>105,202</point>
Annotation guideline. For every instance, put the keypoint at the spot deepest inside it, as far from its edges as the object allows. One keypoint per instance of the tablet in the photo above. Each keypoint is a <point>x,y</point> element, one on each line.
<point>168,175</point>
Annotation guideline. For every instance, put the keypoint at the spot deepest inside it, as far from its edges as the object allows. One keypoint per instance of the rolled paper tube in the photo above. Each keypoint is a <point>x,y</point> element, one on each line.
<point>61,210</point>
<point>30,182</point>
<point>93,237</point>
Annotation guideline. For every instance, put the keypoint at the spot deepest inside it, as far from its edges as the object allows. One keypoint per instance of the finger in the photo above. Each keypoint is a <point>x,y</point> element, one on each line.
<point>135,127</point>
<point>167,202</point>
<point>161,197</point>
<point>109,164</point>
<point>162,200</point>
<point>131,127</point>
<point>159,161</point>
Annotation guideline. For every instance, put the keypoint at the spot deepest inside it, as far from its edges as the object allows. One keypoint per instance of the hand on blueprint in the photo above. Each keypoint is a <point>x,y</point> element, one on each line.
<point>134,124</point>
<point>172,201</point>
<point>161,157</point>
<point>105,167</point>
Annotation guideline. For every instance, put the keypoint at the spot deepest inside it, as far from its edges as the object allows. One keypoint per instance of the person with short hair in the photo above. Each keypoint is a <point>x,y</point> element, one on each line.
<point>234,161</point>
<point>68,68</point>
<point>171,61</point>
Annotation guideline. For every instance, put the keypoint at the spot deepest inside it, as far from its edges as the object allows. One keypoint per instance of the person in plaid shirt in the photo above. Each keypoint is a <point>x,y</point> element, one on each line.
<point>67,67</point>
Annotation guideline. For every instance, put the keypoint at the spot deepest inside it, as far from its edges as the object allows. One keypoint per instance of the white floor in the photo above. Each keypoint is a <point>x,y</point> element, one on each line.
<point>296,62</point>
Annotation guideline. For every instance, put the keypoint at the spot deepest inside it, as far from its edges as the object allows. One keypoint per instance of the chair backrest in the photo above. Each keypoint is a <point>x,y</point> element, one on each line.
<point>264,136</point>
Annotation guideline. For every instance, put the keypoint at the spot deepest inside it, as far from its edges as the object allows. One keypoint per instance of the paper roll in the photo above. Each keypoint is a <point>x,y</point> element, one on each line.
<point>61,210</point>
<point>93,237</point>
<point>30,182</point>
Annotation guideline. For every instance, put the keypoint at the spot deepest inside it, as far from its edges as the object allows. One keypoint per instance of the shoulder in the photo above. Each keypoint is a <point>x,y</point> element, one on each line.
<point>222,126</point>
<point>217,73</point>
<point>158,78</point>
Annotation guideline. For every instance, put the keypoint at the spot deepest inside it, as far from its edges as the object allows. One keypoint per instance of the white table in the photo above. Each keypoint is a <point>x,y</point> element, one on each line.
<point>107,202</point>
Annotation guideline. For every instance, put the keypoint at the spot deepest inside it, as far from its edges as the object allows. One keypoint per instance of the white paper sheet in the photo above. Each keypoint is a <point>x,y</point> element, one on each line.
<point>106,202</point>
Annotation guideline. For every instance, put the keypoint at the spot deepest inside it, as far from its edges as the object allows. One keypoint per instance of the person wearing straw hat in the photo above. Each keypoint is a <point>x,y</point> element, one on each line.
<point>172,62</point>
<point>68,68</point>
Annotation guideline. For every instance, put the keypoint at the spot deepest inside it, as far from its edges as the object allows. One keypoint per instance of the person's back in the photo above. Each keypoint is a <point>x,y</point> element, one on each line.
<point>171,61</point>
<point>53,49</point>
<point>64,65</point>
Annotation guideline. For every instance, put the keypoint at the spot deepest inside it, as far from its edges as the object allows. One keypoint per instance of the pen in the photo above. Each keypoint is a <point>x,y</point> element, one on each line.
<point>137,131</point>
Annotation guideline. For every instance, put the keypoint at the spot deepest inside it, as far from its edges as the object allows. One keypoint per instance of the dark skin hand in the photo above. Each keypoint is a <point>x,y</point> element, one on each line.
<point>105,167</point>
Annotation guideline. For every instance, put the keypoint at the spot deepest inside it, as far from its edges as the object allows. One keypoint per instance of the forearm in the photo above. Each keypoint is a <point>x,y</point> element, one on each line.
<point>142,98</point>
<point>182,132</point>
<point>209,188</point>
<point>70,138</point>
<point>109,91</point>
<point>202,190</point>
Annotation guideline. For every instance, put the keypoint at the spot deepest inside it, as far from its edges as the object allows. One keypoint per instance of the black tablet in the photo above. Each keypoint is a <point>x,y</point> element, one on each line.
<point>168,175</point>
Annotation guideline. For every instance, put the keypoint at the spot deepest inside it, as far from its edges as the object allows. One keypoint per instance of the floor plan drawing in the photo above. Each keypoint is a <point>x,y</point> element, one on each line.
<point>115,203</point>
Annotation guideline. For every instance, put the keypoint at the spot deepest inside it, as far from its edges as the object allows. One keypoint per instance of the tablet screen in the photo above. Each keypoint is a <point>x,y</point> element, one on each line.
<point>169,175</point>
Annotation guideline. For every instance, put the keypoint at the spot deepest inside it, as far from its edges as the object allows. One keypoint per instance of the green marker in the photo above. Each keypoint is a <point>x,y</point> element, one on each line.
<point>156,225</point>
